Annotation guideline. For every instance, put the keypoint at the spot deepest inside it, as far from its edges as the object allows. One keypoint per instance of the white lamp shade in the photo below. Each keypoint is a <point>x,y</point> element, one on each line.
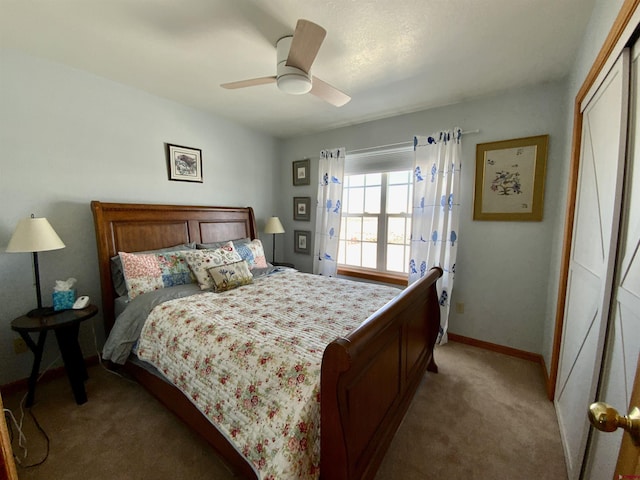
<point>34,235</point>
<point>273,226</point>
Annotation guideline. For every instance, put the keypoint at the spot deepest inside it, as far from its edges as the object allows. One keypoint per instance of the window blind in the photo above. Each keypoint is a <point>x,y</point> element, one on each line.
<point>387,160</point>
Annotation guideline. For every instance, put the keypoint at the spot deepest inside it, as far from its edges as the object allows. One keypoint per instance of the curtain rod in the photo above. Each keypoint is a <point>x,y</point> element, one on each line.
<point>400,144</point>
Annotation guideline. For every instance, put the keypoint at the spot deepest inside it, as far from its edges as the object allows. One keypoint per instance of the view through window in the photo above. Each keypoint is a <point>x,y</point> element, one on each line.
<point>376,221</point>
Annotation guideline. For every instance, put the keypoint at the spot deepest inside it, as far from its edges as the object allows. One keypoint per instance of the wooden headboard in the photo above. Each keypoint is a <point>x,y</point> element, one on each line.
<point>132,227</point>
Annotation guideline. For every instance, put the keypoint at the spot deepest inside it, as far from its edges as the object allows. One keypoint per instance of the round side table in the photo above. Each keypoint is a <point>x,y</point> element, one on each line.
<point>66,325</point>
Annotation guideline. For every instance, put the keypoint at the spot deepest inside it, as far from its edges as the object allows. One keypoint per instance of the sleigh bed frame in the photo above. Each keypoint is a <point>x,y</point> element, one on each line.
<point>368,378</point>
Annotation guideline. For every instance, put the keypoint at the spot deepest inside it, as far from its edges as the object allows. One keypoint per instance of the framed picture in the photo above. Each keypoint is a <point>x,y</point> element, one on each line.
<point>510,179</point>
<point>302,241</point>
<point>302,208</point>
<point>184,163</point>
<point>301,172</point>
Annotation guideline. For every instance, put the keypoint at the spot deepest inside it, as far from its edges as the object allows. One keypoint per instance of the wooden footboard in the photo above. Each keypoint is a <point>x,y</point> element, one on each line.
<point>369,378</point>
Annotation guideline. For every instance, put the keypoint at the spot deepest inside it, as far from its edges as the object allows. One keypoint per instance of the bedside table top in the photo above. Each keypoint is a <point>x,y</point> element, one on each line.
<point>63,318</point>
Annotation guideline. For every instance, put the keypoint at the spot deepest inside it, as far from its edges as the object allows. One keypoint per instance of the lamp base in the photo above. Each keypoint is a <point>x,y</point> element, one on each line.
<point>41,312</point>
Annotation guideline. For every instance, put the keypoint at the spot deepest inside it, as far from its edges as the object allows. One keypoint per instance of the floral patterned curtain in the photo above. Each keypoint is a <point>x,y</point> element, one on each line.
<point>436,213</point>
<point>328,211</point>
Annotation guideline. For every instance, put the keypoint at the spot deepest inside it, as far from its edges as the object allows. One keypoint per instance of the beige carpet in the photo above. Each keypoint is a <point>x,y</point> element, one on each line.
<point>484,416</point>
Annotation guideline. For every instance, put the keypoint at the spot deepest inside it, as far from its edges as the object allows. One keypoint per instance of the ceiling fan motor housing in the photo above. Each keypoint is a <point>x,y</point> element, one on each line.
<point>290,80</point>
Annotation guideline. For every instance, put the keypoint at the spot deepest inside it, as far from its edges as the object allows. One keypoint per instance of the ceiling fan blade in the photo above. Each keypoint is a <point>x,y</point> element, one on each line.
<point>306,42</point>
<point>249,83</point>
<point>328,93</point>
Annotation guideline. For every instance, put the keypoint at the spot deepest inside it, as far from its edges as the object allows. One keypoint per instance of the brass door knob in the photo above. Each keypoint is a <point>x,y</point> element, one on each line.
<point>606,419</point>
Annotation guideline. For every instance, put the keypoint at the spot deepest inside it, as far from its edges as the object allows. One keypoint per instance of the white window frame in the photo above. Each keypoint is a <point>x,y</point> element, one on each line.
<point>383,162</point>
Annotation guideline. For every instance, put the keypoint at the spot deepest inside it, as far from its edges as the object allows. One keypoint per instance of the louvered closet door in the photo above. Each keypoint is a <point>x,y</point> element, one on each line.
<point>623,343</point>
<point>591,263</point>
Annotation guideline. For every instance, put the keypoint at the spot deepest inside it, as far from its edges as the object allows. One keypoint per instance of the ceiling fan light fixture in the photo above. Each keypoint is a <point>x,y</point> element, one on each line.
<point>290,79</point>
<point>294,83</point>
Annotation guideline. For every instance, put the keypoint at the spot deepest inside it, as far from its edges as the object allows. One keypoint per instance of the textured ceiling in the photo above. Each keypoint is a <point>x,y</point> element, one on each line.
<point>391,56</point>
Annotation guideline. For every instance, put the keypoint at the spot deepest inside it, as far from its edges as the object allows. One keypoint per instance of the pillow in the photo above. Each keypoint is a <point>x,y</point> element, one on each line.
<point>230,276</point>
<point>252,253</point>
<point>201,260</point>
<point>117,276</point>
<point>145,272</point>
<point>214,245</point>
<point>262,272</point>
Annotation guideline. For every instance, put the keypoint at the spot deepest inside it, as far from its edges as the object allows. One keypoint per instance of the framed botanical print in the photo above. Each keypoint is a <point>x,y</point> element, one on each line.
<point>510,179</point>
<point>302,241</point>
<point>302,208</point>
<point>301,172</point>
<point>184,163</point>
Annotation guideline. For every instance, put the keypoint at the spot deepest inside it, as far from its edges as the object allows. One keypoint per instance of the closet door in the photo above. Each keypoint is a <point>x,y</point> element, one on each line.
<point>623,345</point>
<point>592,258</point>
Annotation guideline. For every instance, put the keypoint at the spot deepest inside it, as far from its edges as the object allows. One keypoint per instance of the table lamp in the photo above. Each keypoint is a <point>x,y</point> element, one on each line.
<point>274,226</point>
<point>35,235</point>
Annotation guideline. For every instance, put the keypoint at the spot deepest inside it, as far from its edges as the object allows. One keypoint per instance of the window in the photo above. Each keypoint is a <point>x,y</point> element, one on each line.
<point>376,212</point>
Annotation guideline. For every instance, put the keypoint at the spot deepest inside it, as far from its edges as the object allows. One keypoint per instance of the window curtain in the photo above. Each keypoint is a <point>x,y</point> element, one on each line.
<point>328,211</point>
<point>436,213</point>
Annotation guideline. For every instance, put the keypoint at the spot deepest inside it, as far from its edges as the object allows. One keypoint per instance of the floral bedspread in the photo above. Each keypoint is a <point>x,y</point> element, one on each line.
<point>250,360</point>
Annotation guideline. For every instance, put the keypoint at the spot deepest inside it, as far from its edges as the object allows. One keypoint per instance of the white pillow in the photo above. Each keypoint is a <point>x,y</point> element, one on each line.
<point>200,261</point>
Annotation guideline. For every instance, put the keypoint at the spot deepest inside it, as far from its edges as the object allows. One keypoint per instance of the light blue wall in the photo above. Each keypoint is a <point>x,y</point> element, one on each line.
<point>503,268</point>
<point>69,137</point>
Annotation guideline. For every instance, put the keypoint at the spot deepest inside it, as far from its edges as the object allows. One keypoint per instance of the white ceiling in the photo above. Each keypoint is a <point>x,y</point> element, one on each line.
<point>391,56</point>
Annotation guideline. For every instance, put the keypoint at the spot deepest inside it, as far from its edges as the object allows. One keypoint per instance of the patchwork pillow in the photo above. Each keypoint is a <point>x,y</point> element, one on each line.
<point>145,272</point>
<point>228,277</point>
<point>253,253</point>
<point>117,276</point>
<point>201,260</point>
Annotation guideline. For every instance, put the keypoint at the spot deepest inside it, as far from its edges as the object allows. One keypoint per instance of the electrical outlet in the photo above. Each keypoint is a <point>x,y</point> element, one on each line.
<point>19,346</point>
<point>459,307</point>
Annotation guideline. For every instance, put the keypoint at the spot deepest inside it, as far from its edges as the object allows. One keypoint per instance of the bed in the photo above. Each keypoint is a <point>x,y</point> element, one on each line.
<point>367,377</point>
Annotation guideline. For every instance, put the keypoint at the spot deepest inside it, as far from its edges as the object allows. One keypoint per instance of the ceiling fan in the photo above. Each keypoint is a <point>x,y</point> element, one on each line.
<point>295,55</point>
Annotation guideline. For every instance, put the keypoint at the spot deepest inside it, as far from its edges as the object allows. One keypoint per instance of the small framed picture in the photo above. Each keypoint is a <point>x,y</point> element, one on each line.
<point>301,172</point>
<point>302,208</point>
<point>302,239</point>
<point>184,163</point>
